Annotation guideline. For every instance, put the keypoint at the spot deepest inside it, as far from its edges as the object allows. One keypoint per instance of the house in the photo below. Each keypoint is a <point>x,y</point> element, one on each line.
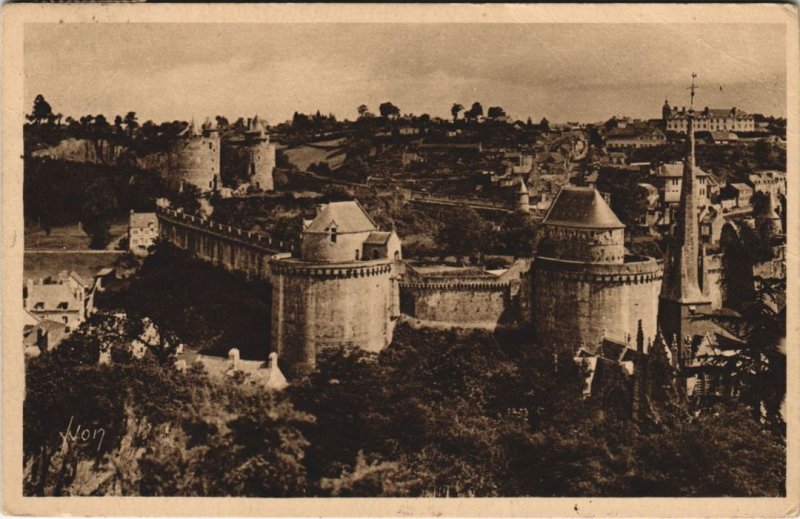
<point>739,192</point>
<point>142,232</point>
<point>634,136</point>
<point>723,137</point>
<point>669,179</point>
<point>67,299</point>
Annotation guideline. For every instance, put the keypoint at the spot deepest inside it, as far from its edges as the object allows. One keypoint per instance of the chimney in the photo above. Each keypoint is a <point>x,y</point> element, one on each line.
<point>233,358</point>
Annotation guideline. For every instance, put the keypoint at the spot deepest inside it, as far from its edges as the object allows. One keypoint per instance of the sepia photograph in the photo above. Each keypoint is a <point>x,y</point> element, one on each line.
<point>381,257</point>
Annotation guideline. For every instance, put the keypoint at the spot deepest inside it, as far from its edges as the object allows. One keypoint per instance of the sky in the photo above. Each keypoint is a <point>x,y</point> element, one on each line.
<point>565,72</point>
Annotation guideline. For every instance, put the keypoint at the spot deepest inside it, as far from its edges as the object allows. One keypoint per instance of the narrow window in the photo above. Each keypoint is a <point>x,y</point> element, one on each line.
<point>356,253</point>
<point>333,235</point>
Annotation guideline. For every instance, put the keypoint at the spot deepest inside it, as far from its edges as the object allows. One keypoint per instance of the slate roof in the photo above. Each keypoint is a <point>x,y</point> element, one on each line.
<point>378,238</point>
<point>675,169</point>
<point>581,207</point>
<point>348,217</point>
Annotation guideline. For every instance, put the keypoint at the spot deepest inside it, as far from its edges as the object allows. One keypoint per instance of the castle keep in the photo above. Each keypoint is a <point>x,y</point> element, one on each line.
<point>585,288</point>
<point>341,291</point>
<point>195,158</point>
<point>249,158</point>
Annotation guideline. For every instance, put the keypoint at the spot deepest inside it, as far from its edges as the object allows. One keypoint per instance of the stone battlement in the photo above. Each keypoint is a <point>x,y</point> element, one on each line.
<point>299,268</point>
<point>255,240</point>
<point>635,270</point>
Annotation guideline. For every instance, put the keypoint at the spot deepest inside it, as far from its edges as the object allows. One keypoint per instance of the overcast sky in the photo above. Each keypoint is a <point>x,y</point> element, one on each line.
<point>561,71</point>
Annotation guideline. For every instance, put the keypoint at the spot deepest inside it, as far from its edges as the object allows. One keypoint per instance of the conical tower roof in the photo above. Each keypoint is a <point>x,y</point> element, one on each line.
<point>522,189</point>
<point>582,207</point>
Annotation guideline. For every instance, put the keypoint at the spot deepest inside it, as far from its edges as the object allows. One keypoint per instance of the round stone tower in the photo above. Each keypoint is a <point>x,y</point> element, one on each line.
<point>195,158</point>
<point>341,291</point>
<point>585,288</point>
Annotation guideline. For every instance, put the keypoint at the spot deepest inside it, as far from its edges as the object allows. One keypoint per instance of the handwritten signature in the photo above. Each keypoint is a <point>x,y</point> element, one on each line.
<point>82,435</point>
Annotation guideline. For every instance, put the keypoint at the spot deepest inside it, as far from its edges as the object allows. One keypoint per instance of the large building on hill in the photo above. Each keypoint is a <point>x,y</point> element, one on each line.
<point>709,119</point>
<point>585,288</point>
<point>342,290</point>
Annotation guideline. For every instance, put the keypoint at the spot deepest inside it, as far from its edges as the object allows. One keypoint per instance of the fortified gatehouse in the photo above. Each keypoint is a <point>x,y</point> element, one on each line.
<point>341,291</point>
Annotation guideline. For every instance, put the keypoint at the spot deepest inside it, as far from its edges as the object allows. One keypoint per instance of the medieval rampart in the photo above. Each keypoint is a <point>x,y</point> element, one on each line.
<point>221,245</point>
<point>576,301</point>
<point>314,306</point>
<point>466,300</point>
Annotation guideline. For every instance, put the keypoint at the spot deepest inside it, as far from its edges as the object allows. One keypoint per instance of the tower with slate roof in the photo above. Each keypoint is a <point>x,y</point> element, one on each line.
<point>342,290</point>
<point>585,288</point>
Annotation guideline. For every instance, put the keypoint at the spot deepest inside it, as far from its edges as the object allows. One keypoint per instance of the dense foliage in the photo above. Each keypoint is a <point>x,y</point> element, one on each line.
<point>436,413</point>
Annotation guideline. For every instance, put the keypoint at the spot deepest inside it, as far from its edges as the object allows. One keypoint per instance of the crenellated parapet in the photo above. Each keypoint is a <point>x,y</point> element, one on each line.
<point>635,270</point>
<point>298,268</point>
<point>255,240</point>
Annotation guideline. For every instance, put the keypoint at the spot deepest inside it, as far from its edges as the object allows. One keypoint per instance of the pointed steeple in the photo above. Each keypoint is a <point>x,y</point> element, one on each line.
<point>682,276</point>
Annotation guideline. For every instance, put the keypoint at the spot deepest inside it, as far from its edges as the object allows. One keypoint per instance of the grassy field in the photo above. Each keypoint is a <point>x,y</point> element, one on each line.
<point>43,264</point>
<point>69,237</point>
<point>307,154</point>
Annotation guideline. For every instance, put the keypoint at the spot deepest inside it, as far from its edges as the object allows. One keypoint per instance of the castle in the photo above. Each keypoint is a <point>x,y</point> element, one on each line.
<point>341,291</point>
<point>203,158</point>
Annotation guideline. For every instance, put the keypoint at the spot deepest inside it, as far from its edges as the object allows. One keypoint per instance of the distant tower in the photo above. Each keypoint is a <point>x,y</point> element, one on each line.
<point>666,110</point>
<point>249,158</point>
<point>523,198</point>
<point>195,158</point>
<point>682,292</point>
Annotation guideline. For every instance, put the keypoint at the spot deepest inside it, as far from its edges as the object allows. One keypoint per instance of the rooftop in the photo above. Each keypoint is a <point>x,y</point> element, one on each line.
<point>346,217</point>
<point>142,220</point>
<point>581,207</point>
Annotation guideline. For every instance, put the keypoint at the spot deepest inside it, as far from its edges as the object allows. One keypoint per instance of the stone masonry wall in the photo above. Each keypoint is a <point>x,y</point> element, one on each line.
<point>318,306</point>
<point>578,303</point>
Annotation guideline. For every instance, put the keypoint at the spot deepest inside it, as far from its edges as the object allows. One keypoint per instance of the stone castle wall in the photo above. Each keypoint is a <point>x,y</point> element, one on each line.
<point>575,301</point>
<point>466,301</point>
<point>221,245</point>
<point>317,306</point>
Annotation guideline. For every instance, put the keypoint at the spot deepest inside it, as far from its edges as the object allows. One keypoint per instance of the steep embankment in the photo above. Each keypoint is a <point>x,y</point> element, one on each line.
<point>102,152</point>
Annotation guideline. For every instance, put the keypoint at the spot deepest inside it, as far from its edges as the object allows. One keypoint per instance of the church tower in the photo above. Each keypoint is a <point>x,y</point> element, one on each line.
<point>683,297</point>
<point>666,110</point>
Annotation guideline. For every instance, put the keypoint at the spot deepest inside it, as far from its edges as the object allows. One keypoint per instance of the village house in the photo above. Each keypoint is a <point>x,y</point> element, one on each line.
<point>767,182</point>
<point>668,179</point>
<point>142,232</point>
<point>67,299</point>
<point>634,136</point>
<point>739,192</point>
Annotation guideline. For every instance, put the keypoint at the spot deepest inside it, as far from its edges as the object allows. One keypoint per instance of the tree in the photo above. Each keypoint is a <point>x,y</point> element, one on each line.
<point>99,209</point>
<point>455,110</point>
<point>131,123</point>
<point>362,110</point>
<point>544,124</point>
<point>466,235</point>
<point>222,122</point>
<point>474,112</point>
<point>496,112</point>
<point>388,110</point>
<point>41,110</point>
<point>118,124</point>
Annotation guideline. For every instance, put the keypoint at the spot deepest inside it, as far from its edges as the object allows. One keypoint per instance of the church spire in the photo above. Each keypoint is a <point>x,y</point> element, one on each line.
<point>685,290</point>
<point>682,275</point>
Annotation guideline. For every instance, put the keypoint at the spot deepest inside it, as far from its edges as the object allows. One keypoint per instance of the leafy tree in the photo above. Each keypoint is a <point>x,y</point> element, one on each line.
<point>131,123</point>
<point>466,235</point>
<point>98,211</point>
<point>544,124</point>
<point>42,110</point>
<point>388,110</point>
<point>495,112</point>
<point>455,110</point>
<point>475,112</point>
<point>362,110</point>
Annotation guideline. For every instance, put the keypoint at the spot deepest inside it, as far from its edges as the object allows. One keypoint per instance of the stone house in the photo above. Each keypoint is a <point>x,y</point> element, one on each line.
<point>142,232</point>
